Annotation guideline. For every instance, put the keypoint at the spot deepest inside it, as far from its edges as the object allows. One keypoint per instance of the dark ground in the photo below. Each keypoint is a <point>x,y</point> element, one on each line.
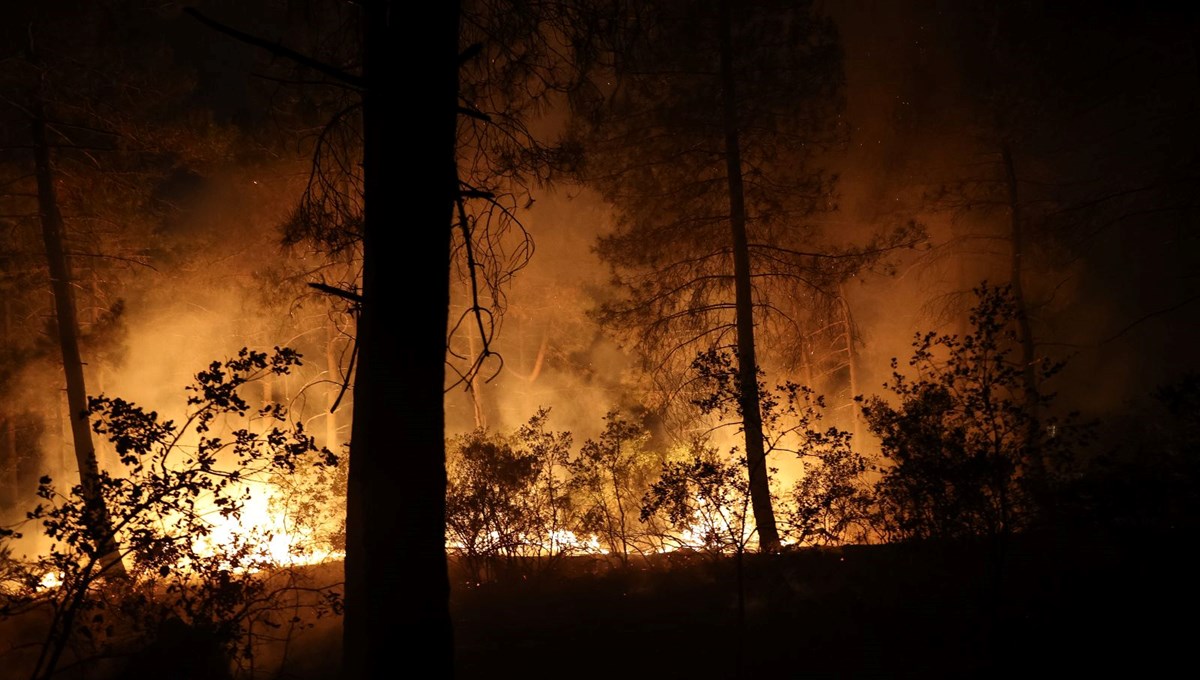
<point>1066,605</point>
<point>1061,605</point>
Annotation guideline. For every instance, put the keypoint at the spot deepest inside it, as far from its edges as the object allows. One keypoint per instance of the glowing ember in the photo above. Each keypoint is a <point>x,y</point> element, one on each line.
<point>52,579</point>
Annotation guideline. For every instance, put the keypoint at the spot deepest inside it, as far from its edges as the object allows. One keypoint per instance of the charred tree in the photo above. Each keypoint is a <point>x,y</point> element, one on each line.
<point>1028,356</point>
<point>708,155</point>
<point>67,326</point>
<point>397,588</point>
<point>80,183</point>
<point>849,340</point>
<point>10,468</point>
<point>756,457</point>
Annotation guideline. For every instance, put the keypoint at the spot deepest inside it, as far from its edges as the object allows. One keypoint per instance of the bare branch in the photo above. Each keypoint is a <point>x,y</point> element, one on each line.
<point>279,50</point>
<point>474,113</point>
<point>339,292</point>
<point>1148,316</point>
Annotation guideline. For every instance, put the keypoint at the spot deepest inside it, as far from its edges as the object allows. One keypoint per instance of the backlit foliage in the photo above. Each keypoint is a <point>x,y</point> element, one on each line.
<point>969,453</point>
<point>180,489</point>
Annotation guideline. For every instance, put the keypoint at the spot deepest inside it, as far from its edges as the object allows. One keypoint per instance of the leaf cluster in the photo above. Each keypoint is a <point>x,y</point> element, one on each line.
<point>969,442</point>
<point>180,487</point>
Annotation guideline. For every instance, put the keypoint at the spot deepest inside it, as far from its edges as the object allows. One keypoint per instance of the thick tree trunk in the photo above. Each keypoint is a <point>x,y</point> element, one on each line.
<point>756,459</point>
<point>397,589</point>
<point>99,523</point>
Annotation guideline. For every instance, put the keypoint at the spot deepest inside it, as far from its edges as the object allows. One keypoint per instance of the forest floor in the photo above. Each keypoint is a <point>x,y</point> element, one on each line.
<point>1053,605</point>
<point>870,611</point>
<point>1059,604</point>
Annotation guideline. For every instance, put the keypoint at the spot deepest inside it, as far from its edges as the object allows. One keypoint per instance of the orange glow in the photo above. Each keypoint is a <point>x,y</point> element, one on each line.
<point>268,535</point>
<point>562,539</point>
<point>709,523</point>
<point>557,542</point>
<point>51,579</point>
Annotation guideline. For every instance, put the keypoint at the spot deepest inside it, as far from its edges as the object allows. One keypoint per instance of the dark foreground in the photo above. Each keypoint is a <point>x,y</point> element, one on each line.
<point>1061,604</point>
<point>1047,605</point>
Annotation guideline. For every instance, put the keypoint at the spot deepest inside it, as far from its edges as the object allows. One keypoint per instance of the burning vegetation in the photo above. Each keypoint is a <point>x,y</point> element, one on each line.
<point>226,528</point>
<point>850,345</point>
<point>183,533</point>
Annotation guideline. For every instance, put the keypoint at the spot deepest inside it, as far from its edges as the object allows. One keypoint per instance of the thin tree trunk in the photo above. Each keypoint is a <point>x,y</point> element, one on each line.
<point>397,590</point>
<point>756,459</point>
<point>806,354</point>
<point>851,360</point>
<point>334,391</point>
<point>99,523</point>
<point>475,387</point>
<point>61,424</point>
<point>477,403</point>
<point>538,361</point>
<point>1028,350</point>
<point>622,527</point>
<point>541,356</point>
<point>10,487</point>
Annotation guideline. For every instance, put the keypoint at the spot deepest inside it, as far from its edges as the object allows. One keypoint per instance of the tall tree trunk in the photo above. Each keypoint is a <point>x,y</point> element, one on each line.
<point>475,387</point>
<point>806,358</point>
<point>851,360</point>
<point>11,483</point>
<point>477,402</point>
<point>756,459</point>
<point>61,459</point>
<point>334,392</point>
<point>1028,350</point>
<point>397,589</point>
<point>11,487</point>
<point>99,522</point>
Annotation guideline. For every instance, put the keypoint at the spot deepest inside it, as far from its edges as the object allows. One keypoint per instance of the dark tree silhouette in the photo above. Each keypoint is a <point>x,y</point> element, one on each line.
<point>67,324</point>
<point>708,154</point>
<point>80,168</point>
<point>396,586</point>
<point>963,462</point>
<point>397,589</point>
<point>178,583</point>
<point>1071,139</point>
<point>608,479</point>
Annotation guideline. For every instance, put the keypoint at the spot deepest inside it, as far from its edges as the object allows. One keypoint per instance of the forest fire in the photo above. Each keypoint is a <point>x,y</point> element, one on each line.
<point>720,529</point>
<point>52,579</point>
<point>260,536</point>
<point>806,338</point>
<point>265,532</point>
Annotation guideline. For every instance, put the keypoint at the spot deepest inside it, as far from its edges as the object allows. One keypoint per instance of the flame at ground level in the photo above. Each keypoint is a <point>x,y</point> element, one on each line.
<point>263,535</point>
<point>266,535</point>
